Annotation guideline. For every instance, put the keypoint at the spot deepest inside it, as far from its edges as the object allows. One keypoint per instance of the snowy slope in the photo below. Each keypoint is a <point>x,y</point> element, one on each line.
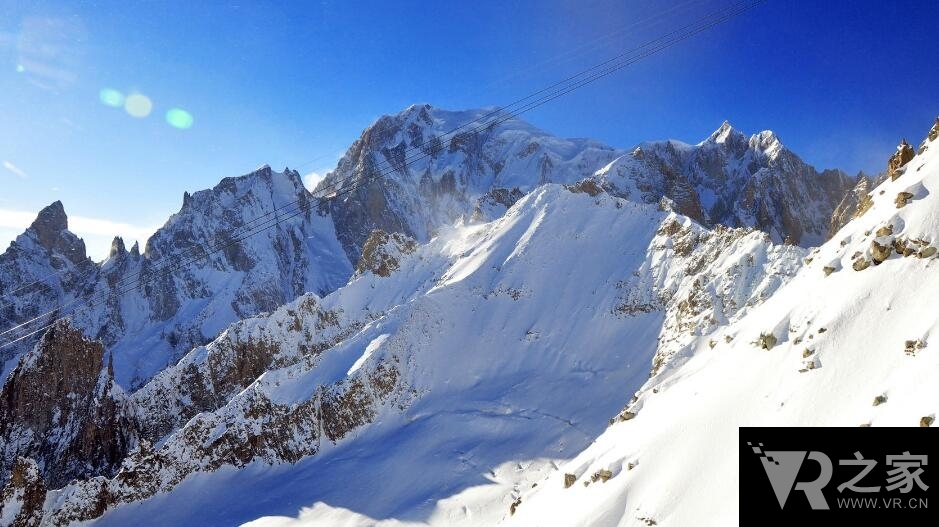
<point>509,346</point>
<point>845,336</point>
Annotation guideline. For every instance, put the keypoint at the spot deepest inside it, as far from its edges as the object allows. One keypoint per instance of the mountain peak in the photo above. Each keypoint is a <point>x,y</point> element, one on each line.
<point>49,223</point>
<point>117,248</point>
<point>767,142</point>
<point>723,134</point>
<point>52,217</point>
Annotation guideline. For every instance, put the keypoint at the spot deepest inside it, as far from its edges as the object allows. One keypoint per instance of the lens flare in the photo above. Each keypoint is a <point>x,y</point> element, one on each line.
<point>112,98</point>
<point>179,118</point>
<point>138,105</point>
<point>20,68</point>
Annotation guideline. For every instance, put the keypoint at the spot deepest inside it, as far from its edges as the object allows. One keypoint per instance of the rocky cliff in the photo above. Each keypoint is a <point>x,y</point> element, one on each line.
<point>61,407</point>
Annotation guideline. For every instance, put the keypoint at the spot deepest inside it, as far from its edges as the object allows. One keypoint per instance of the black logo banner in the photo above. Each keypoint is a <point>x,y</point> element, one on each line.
<point>824,475</point>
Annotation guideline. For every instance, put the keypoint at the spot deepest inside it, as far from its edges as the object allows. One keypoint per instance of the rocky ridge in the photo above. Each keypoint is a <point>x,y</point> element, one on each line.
<point>148,310</point>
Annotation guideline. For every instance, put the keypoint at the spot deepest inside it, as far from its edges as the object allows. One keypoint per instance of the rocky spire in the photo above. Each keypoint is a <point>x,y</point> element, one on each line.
<point>117,248</point>
<point>728,138</point>
<point>50,231</point>
<point>50,222</point>
<point>899,159</point>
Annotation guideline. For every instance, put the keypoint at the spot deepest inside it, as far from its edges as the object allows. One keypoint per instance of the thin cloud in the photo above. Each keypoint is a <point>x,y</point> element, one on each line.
<point>312,179</point>
<point>17,171</point>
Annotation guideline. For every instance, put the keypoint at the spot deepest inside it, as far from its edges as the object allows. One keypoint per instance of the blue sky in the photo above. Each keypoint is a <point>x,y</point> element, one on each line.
<point>294,85</point>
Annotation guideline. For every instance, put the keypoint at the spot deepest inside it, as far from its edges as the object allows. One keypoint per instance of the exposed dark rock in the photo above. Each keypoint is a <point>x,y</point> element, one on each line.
<point>766,341</point>
<point>569,480</point>
<point>860,264</point>
<point>514,506</point>
<point>910,347</point>
<point>494,203</point>
<point>382,253</point>
<point>24,493</point>
<point>51,231</point>
<point>880,253</point>
<point>260,430</point>
<point>898,160</point>
<point>586,186</point>
<point>903,199</point>
<point>61,407</point>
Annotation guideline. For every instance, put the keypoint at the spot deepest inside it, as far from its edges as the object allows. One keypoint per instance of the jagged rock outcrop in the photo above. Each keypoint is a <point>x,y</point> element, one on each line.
<point>61,407</point>
<point>930,137</point>
<point>899,159</point>
<point>22,497</point>
<point>382,253</point>
<point>855,203</point>
<point>209,377</point>
<point>702,279</point>
<point>494,203</point>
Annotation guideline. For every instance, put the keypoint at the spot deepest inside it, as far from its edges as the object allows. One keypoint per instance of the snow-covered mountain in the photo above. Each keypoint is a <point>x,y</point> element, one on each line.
<point>732,180</point>
<point>430,177</point>
<point>511,293</point>
<point>153,306</point>
<point>851,346</point>
<point>488,327</point>
<point>147,308</point>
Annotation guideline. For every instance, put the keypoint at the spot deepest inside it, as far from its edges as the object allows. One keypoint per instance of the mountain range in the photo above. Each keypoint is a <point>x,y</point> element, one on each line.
<point>469,320</point>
